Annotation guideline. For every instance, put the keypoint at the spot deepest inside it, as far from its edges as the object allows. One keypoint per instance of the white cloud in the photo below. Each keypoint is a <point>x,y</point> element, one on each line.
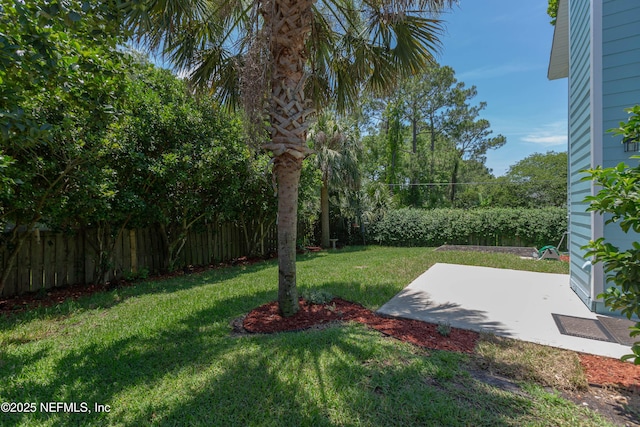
<point>546,139</point>
<point>549,135</point>
<point>489,72</point>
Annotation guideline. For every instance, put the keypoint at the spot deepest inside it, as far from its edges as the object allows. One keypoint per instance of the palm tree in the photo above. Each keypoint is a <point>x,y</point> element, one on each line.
<point>290,57</point>
<point>336,155</point>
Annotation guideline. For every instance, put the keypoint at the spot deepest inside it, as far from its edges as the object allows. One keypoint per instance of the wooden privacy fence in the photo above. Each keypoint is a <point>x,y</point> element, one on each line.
<point>48,259</point>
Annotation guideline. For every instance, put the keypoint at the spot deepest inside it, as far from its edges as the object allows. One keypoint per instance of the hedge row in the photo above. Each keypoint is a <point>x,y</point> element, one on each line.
<point>493,227</point>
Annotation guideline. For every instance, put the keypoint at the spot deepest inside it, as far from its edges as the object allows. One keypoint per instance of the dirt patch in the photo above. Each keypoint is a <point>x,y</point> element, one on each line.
<point>50,297</point>
<point>620,407</point>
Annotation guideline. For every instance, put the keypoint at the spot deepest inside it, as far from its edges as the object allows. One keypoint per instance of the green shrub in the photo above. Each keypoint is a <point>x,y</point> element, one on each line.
<point>490,226</point>
<point>444,328</point>
<point>317,296</point>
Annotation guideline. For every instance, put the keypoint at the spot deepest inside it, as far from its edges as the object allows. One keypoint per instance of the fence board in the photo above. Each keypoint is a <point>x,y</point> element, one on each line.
<point>49,259</point>
<point>57,259</point>
<point>23,268</point>
<point>125,261</point>
<point>228,246</point>
<point>192,249</point>
<point>10,286</point>
<point>211,242</point>
<point>72,259</point>
<point>133,246</point>
<point>116,269</point>
<point>154,250</point>
<point>235,243</point>
<point>145,249</point>
<point>194,259</point>
<point>60,260</point>
<point>90,256</point>
<point>145,246</point>
<point>217,246</point>
<point>202,248</point>
<point>219,241</point>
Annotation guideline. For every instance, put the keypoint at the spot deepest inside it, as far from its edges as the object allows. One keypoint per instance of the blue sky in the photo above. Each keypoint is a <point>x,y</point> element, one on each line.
<point>502,47</point>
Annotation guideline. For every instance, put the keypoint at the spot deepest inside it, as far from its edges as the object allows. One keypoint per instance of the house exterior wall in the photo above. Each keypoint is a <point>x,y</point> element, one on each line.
<point>596,44</point>
<point>620,73</point>
<point>620,90</point>
<point>580,130</point>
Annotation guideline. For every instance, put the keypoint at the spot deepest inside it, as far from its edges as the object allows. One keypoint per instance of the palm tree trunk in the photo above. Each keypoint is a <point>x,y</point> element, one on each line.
<point>288,176</point>
<point>289,22</point>
<point>324,214</point>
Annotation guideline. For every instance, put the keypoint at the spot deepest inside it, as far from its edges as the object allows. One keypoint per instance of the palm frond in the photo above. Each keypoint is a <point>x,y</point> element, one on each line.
<point>154,22</point>
<point>203,39</point>
<point>374,43</point>
<point>353,45</point>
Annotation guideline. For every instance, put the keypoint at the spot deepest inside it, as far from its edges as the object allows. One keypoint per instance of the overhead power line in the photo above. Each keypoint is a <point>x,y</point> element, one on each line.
<point>433,184</point>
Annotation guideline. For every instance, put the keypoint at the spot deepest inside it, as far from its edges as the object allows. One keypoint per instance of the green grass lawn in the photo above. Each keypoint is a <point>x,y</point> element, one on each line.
<point>161,353</point>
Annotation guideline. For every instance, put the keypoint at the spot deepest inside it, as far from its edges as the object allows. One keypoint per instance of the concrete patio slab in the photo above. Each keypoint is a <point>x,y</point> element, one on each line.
<point>510,303</point>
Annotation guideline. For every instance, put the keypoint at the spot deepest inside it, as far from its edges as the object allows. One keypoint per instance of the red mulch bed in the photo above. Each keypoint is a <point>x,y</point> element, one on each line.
<point>266,319</point>
<point>606,371</point>
<point>603,371</point>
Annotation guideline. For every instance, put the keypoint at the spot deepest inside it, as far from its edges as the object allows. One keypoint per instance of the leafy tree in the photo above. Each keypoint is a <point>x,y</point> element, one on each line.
<point>537,180</point>
<point>471,138</point>
<point>428,100</point>
<point>477,183</point>
<point>619,197</point>
<point>60,78</point>
<point>183,161</point>
<point>290,51</point>
<point>257,212</point>
<point>552,11</point>
<point>429,110</point>
<point>394,140</point>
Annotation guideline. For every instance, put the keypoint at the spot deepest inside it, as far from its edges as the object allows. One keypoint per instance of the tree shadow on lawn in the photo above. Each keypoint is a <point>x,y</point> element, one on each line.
<point>338,376</point>
<point>99,371</point>
<point>194,373</point>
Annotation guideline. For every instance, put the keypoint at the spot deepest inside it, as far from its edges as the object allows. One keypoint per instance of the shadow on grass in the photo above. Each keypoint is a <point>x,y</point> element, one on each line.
<point>194,373</point>
<point>97,372</point>
<point>338,377</point>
